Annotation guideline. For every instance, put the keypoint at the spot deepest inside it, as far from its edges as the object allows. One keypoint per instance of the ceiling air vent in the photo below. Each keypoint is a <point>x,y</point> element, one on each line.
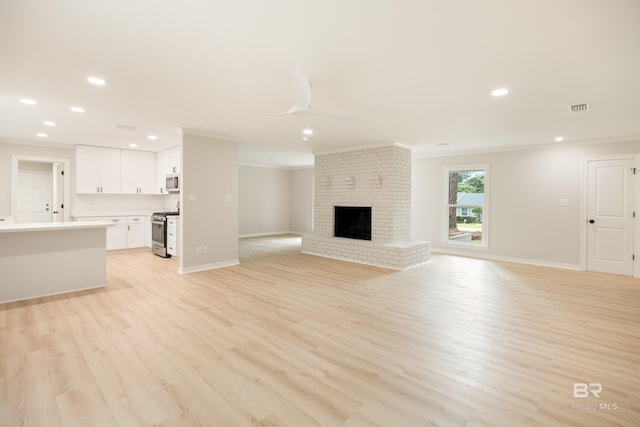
<point>577,108</point>
<point>124,127</point>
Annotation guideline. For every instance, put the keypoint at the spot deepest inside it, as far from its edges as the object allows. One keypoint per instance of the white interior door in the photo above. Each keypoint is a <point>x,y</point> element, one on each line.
<point>34,197</point>
<point>610,212</point>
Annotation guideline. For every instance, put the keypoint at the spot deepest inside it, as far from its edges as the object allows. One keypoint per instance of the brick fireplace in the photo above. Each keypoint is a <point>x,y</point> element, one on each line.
<point>379,178</point>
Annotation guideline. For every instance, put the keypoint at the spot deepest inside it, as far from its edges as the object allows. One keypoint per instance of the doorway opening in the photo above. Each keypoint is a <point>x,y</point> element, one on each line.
<point>39,189</point>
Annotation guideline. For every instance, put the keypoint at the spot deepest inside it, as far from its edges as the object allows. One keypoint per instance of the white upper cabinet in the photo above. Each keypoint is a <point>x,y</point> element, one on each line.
<point>162,166</point>
<point>173,160</point>
<point>138,171</point>
<point>167,162</point>
<point>98,169</point>
<point>114,171</point>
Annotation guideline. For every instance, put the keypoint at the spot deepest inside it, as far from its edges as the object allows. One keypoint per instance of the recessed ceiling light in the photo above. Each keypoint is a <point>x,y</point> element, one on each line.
<point>559,138</point>
<point>49,123</point>
<point>499,92</point>
<point>97,81</point>
<point>307,131</point>
<point>152,137</point>
<point>133,145</point>
<point>77,109</point>
<point>28,101</point>
<point>42,135</point>
<point>443,144</point>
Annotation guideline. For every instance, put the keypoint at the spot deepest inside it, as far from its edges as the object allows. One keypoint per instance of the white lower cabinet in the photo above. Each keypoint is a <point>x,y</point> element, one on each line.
<point>136,231</point>
<point>172,236</point>
<point>127,231</point>
<point>117,235</point>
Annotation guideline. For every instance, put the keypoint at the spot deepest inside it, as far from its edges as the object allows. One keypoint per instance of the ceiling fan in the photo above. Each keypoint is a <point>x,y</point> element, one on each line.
<point>302,106</point>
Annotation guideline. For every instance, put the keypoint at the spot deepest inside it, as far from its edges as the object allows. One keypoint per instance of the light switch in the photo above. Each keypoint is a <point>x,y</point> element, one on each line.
<point>228,198</point>
<point>193,197</point>
<point>564,202</point>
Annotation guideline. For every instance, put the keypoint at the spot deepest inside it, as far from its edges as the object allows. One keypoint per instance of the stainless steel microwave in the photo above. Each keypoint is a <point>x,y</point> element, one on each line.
<point>173,183</point>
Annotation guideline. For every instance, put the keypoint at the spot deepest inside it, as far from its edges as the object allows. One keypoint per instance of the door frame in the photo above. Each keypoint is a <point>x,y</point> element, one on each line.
<point>15,162</point>
<point>584,207</point>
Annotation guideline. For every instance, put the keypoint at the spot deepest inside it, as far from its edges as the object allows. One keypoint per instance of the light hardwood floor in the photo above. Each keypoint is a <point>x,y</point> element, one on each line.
<point>287,339</point>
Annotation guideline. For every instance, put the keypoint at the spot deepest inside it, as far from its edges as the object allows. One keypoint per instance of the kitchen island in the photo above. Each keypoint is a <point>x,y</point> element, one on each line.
<point>43,259</point>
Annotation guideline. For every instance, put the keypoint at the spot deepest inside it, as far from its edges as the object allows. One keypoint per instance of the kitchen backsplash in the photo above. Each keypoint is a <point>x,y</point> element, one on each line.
<point>118,203</point>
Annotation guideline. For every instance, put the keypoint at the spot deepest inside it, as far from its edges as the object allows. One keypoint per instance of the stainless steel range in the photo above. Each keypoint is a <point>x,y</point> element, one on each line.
<point>159,233</point>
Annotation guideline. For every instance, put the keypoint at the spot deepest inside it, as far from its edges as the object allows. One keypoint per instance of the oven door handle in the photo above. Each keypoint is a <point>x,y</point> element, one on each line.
<point>157,222</point>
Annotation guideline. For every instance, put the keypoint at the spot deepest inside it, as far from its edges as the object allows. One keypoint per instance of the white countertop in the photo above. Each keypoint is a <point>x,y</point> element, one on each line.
<point>79,214</point>
<point>49,226</point>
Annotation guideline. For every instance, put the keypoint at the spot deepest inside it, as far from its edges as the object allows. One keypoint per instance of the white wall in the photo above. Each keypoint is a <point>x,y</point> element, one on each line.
<point>274,200</point>
<point>526,220</point>
<point>301,200</point>
<point>263,200</point>
<point>209,203</point>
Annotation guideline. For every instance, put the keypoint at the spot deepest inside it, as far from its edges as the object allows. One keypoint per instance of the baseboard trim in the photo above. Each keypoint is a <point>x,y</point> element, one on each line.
<point>204,267</point>
<point>268,233</point>
<point>490,257</point>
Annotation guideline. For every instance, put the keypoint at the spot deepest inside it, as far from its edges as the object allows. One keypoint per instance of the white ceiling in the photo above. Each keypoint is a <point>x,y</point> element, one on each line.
<point>416,72</point>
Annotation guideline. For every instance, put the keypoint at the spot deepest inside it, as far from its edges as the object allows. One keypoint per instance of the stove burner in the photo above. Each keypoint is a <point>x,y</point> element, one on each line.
<point>166,213</point>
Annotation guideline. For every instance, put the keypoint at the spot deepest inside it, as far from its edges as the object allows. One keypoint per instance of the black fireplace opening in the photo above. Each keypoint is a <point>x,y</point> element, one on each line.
<point>353,222</point>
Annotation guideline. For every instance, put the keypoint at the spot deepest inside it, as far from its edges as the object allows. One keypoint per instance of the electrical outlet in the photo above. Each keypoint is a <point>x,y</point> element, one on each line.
<point>199,250</point>
<point>204,249</point>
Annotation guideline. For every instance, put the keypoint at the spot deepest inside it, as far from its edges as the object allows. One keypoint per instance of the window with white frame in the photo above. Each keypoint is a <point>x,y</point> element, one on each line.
<point>467,205</point>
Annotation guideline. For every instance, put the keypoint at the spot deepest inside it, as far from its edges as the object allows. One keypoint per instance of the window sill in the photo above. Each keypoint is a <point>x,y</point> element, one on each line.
<point>464,245</point>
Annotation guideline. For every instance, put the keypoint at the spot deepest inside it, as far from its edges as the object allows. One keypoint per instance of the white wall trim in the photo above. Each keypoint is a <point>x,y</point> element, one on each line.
<point>257,165</point>
<point>204,267</point>
<point>286,168</point>
<point>267,233</point>
<point>490,257</point>
<point>527,147</point>
<point>209,134</point>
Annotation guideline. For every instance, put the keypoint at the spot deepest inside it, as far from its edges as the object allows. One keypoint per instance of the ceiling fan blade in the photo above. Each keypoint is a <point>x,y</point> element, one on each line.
<point>302,90</point>
<point>255,119</point>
